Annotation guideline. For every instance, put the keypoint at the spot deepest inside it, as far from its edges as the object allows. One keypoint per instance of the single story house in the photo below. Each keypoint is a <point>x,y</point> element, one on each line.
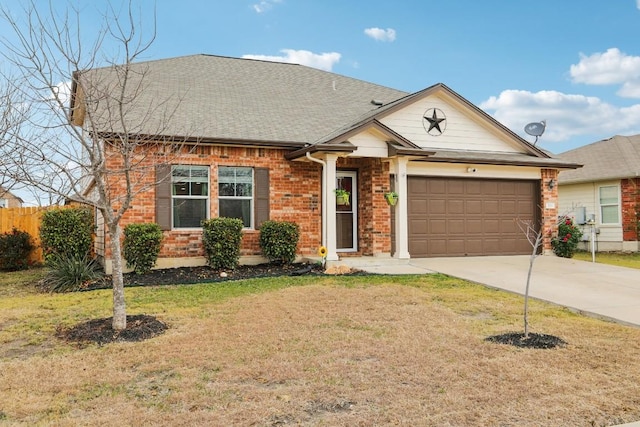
<point>9,200</point>
<point>605,192</point>
<point>275,140</point>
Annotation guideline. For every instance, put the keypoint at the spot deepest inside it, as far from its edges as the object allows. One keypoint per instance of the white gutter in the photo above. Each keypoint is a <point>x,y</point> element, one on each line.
<point>324,197</point>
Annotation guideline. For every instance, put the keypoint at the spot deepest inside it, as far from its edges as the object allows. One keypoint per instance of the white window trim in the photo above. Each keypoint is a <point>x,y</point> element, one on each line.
<point>208,197</point>
<point>618,204</point>
<point>251,198</point>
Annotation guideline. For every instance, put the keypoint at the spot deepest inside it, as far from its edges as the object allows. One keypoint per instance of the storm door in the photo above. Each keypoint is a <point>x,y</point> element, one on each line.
<point>346,212</point>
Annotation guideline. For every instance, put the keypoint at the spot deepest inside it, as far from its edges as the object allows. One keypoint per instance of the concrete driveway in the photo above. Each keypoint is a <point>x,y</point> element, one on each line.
<point>595,289</point>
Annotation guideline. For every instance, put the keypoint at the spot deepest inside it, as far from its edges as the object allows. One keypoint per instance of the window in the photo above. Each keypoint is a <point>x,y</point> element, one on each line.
<point>190,195</point>
<point>4,203</point>
<point>235,193</point>
<point>609,205</point>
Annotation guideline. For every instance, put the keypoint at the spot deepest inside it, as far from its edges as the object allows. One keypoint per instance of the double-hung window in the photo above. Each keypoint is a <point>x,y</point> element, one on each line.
<point>609,204</point>
<point>190,195</point>
<point>235,193</point>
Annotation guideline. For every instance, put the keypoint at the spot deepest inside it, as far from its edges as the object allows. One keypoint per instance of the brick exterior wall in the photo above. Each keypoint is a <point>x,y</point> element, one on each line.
<point>295,188</point>
<point>549,208</point>
<point>630,190</point>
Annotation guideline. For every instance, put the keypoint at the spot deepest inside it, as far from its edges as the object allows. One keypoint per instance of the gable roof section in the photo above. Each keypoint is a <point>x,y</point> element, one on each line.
<point>530,155</point>
<point>220,99</point>
<point>613,158</point>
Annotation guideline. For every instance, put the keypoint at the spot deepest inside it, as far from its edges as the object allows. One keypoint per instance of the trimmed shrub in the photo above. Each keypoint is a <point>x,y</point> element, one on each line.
<point>566,243</point>
<point>221,238</point>
<point>66,232</point>
<point>71,272</point>
<point>142,243</point>
<point>15,247</point>
<point>279,240</point>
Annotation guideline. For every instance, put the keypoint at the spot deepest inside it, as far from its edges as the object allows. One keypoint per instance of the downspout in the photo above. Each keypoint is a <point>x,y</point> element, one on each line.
<point>324,197</point>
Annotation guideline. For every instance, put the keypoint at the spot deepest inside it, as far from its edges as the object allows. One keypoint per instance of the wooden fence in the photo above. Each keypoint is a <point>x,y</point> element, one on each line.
<point>25,219</point>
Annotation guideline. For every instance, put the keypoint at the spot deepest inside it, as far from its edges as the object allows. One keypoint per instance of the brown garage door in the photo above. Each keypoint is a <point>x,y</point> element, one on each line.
<point>460,217</point>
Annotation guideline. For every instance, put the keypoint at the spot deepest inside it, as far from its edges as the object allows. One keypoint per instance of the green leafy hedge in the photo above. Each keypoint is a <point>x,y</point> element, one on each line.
<point>15,247</point>
<point>221,238</point>
<point>142,243</point>
<point>66,232</point>
<point>279,240</point>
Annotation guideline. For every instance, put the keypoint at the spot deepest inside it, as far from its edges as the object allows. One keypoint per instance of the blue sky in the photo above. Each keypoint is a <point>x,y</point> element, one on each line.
<point>575,64</point>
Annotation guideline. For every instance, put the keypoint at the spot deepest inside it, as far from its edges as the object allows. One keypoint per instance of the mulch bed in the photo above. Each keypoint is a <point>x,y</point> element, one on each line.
<point>139,327</point>
<point>205,274</point>
<point>542,341</point>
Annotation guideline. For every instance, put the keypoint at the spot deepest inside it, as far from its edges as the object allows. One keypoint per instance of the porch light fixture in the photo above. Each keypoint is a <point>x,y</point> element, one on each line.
<point>552,183</point>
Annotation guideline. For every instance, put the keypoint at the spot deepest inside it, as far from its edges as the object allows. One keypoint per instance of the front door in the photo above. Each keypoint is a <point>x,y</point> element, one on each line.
<point>346,212</point>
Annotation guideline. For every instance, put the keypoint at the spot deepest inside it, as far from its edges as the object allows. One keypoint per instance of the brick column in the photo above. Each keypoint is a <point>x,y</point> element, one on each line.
<point>549,208</point>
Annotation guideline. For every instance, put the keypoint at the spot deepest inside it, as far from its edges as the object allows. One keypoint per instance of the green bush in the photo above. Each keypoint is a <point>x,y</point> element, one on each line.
<point>141,246</point>
<point>221,238</point>
<point>566,243</point>
<point>279,240</point>
<point>66,232</point>
<point>15,247</point>
<point>71,272</point>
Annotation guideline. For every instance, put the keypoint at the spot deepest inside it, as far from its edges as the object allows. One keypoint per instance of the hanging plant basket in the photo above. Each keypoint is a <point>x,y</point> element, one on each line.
<point>391,198</point>
<point>342,197</point>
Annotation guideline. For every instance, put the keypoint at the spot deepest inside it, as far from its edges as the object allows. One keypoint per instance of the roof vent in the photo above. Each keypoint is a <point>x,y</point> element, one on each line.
<point>377,102</point>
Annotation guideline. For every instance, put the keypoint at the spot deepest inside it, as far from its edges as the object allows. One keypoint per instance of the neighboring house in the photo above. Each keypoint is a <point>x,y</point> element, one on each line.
<point>275,140</point>
<point>9,200</point>
<point>607,190</point>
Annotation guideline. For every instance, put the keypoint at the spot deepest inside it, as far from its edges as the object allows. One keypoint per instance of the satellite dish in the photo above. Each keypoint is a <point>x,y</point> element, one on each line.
<point>535,129</point>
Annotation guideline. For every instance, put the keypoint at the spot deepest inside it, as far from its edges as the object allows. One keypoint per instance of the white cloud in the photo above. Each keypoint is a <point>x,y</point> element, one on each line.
<point>265,5</point>
<point>322,61</point>
<point>567,115</point>
<point>609,68</point>
<point>382,35</point>
<point>638,3</point>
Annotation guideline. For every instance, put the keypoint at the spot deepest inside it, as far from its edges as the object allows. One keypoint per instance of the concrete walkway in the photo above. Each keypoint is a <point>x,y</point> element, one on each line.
<point>596,289</point>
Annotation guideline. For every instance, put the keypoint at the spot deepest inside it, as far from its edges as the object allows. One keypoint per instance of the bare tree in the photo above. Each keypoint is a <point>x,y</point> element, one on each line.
<point>11,120</point>
<point>534,234</point>
<point>95,130</point>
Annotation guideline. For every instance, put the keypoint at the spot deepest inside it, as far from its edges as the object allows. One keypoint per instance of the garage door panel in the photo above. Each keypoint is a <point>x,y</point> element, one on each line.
<point>437,226</point>
<point>455,245</point>
<point>455,207</point>
<point>474,246</point>
<point>454,187</point>
<point>470,216</point>
<point>455,227</point>
<point>473,207</point>
<point>437,206</point>
<point>490,207</point>
<point>419,228</point>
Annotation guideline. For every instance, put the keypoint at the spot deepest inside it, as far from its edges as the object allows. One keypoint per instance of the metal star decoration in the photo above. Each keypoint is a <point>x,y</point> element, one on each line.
<point>431,116</point>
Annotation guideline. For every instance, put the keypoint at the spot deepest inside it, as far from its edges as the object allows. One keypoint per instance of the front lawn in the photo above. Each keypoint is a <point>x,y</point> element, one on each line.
<point>621,259</point>
<point>319,350</point>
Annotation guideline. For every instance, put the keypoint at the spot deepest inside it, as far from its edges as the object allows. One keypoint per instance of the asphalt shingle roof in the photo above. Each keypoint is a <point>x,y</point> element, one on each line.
<point>613,158</point>
<point>230,99</point>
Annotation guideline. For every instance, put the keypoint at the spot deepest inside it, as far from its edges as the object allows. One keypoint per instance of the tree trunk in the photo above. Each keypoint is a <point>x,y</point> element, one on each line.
<point>119,306</point>
<point>526,295</point>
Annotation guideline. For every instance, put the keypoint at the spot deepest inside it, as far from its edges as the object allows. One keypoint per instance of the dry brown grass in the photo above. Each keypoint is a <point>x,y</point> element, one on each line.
<point>389,351</point>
